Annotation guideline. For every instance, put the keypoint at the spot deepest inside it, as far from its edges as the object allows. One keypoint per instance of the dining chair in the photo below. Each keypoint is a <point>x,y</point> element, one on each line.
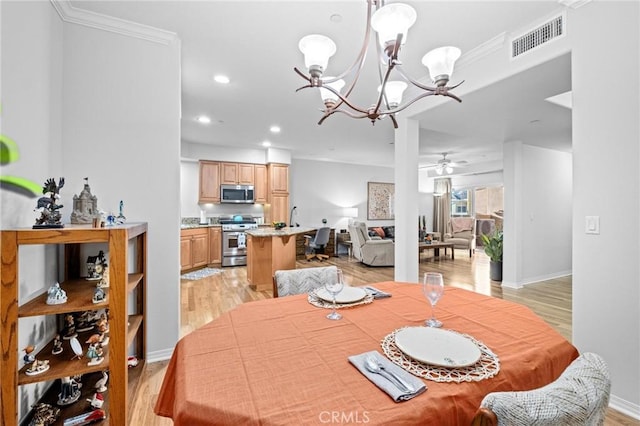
<point>298,281</point>
<point>580,396</point>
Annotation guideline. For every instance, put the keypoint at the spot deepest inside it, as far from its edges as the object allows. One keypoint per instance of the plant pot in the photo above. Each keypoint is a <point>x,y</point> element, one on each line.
<point>495,271</point>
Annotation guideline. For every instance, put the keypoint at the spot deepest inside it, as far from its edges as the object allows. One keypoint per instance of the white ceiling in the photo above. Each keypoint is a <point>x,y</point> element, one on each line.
<point>255,44</point>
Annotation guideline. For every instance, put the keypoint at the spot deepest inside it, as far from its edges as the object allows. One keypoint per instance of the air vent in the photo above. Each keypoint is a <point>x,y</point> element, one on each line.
<point>534,38</point>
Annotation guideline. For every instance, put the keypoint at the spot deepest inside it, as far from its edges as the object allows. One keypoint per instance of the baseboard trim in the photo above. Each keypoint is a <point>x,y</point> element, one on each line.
<point>625,407</point>
<point>532,280</point>
<point>161,355</point>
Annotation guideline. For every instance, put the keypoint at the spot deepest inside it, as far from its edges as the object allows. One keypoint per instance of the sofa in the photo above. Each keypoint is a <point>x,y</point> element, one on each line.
<point>368,250</point>
<point>382,232</point>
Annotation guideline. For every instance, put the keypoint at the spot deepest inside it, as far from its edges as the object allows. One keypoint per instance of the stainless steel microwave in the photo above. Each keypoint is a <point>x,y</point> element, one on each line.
<point>236,194</point>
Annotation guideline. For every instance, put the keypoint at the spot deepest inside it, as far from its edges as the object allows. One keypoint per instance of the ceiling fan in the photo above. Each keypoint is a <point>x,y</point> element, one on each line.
<point>444,165</point>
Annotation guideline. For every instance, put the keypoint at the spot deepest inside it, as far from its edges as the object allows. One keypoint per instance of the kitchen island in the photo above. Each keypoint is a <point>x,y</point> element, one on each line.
<point>270,250</point>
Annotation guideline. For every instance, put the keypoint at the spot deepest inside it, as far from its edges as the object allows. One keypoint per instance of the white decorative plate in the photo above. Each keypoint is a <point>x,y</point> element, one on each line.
<point>347,295</point>
<point>439,347</point>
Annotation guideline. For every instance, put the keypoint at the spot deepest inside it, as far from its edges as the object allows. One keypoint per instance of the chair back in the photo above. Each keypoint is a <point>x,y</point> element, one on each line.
<point>580,396</point>
<point>322,237</point>
<point>298,281</point>
<point>359,236</point>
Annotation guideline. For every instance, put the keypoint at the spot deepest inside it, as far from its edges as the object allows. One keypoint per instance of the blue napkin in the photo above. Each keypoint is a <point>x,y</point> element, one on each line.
<point>377,294</point>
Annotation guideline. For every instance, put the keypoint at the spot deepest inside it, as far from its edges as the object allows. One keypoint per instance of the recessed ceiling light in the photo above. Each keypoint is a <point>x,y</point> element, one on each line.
<point>275,129</point>
<point>335,18</point>
<point>266,143</point>
<point>222,79</point>
<point>203,119</point>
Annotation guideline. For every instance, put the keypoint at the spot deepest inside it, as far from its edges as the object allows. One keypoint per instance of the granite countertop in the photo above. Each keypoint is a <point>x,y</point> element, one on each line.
<point>197,225</point>
<point>272,232</point>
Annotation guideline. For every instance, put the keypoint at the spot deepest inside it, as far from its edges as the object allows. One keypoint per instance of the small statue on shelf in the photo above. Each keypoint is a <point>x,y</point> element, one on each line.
<point>44,415</point>
<point>85,206</point>
<point>70,327</point>
<point>37,367</point>
<point>120,219</point>
<point>48,206</point>
<point>99,295</point>
<point>102,324</point>
<point>98,338</point>
<point>77,348</point>
<point>97,401</point>
<point>101,384</point>
<point>95,354</point>
<point>84,321</point>
<point>29,356</point>
<point>56,295</point>
<point>57,345</point>
<point>69,390</point>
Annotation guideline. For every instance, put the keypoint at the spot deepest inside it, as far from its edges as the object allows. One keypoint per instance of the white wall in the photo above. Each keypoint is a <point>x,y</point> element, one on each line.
<point>606,276</point>
<point>30,86</point>
<point>322,189</point>
<point>538,228</point>
<point>121,128</point>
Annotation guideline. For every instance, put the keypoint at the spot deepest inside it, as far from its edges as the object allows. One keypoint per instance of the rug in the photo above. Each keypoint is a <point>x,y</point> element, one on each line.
<point>200,273</point>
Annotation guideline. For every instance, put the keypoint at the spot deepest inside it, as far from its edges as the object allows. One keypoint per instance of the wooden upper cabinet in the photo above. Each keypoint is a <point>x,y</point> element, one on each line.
<point>236,174</point>
<point>209,182</point>
<point>260,184</point>
<point>279,178</point>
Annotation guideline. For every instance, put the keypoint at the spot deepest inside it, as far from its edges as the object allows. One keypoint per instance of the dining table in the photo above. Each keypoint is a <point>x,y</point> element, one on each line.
<point>282,362</point>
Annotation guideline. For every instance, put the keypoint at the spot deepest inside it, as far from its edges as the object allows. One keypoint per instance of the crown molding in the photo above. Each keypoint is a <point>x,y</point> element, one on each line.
<point>574,4</point>
<point>71,14</point>
<point>488,47</point>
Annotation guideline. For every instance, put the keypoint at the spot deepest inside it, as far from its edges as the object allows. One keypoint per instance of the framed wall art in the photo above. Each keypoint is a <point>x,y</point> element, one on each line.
<point>380,199</point>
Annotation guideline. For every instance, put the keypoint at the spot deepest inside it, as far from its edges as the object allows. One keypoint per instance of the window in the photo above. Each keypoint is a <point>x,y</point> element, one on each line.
<point>460,202</point>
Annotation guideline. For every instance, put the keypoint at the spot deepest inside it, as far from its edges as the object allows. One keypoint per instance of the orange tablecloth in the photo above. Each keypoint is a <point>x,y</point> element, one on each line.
<point>281,362</point>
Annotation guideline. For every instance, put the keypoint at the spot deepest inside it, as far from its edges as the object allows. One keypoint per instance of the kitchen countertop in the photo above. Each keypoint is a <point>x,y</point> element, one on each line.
<point>197,225</point>
<point>272,232</point>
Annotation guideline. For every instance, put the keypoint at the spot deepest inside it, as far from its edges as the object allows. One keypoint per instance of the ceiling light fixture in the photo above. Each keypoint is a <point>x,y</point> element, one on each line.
<point>391,23</point>
<point>203,119</point>
<point>275,129</point>
<point>222,79</point>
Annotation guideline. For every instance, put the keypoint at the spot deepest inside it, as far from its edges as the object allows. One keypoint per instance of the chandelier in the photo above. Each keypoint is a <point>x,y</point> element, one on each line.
<point>391,23</point>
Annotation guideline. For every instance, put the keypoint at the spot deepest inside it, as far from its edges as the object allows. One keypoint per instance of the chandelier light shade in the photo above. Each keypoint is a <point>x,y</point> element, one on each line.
<point>390,24</point>
<point>327,95</point>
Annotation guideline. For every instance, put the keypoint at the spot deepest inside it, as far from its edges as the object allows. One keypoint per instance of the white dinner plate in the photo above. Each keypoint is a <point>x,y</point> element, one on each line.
<point>439,347</point>
<point>347,295</point>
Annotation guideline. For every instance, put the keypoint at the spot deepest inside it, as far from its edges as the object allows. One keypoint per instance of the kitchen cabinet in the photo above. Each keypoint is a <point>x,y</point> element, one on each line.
<point>237,174</point>
<point>126,302</point>
<point>215,245</point>
<point>261,183</point>
<point>209,182</point>
<point>278,178</point>
<point>194,248</point>
<point>277,209</point>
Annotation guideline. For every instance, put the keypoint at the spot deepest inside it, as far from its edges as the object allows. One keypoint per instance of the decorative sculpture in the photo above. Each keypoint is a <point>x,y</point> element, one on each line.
<point>99,295</point>
<point>57,345</point>
<point>37,367</point>
<point>56,295</point>
<point>85,205</point>
<point>120,219</point>
<point>69,328</point>
<point>44,415</point>
<point>69,390</point>
<point>95,354</point>
<point>101,384</point>
<point>29,357</point>
<point>77,348</point>
<point>48,206</point>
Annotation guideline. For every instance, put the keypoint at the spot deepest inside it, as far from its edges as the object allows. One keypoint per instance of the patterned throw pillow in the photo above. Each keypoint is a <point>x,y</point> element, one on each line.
<point>380,232</point>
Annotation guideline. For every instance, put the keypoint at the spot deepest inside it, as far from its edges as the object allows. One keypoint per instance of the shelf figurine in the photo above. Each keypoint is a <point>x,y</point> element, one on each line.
<point>84,321</point>
<point>85,206</point>
<point>101,384</point>
<point>57,345</point>
<point>102,325</point>
<point>37,367</point>
<point>99,295</point>
<point>69,390</point>
<point>56,295</point>
<point>29,356</point>
<point>120,219</point>
<point>48,206</point>
<point>44,415</point>
<point>69,328</point>
<point>97,401</point>
<point>94,353</point>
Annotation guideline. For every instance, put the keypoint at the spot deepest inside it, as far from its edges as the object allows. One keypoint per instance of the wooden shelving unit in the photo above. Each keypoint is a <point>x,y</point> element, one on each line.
<point>127,330</point>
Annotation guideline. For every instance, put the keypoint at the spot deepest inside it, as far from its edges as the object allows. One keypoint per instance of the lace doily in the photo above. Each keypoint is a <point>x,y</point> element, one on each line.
<point>487,366</point>
<point>321,303</point>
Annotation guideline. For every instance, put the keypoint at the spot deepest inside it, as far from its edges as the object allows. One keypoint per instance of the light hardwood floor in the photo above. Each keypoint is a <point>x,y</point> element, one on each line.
<point>204,300</point>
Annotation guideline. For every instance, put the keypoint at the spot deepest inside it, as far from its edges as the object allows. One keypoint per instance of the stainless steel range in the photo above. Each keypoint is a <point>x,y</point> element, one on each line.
<point>234,240</point>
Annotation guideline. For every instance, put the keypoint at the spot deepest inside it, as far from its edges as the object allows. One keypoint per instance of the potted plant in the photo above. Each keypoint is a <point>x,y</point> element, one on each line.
<point>493,248</point>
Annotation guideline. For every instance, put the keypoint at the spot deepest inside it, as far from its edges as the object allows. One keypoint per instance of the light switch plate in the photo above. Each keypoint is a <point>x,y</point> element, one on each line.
<point>592,224</point>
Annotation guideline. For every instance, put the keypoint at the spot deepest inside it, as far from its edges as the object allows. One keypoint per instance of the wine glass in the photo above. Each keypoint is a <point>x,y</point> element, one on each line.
<point>334,287</point>
<point>433,287</point>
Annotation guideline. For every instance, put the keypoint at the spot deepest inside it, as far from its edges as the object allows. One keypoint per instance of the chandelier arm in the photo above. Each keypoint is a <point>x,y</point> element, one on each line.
<point>303,87</point>
<point>301,74</point>
<point>393,120</point>
<point>382,87</point>
<point>414,82</point>
<point>349,113</point>
<point>405,105</point>
<point>343,99</point>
